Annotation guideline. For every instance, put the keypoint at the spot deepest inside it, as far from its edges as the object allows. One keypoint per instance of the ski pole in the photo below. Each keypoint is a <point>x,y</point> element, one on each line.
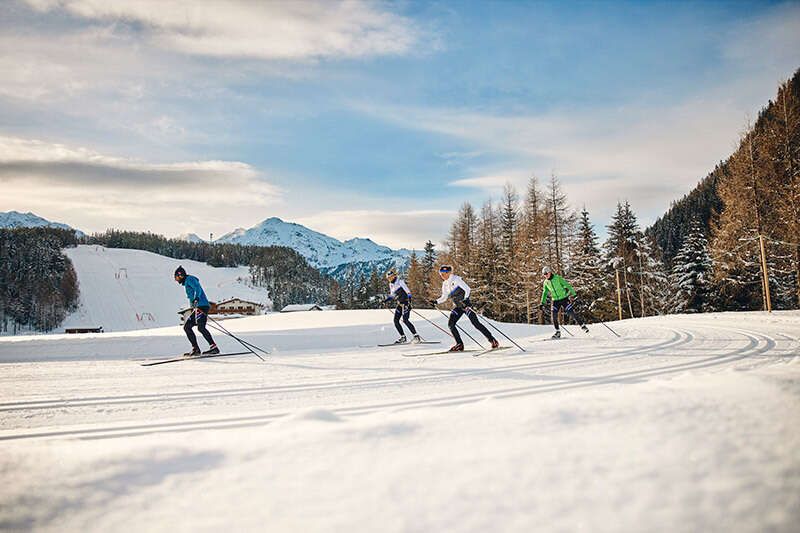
<point>432,323</point>
<point>606,325</point>
<point>249,346</point>
<point>501,333</point>
<point>462,331</point>
<point>245,344</point>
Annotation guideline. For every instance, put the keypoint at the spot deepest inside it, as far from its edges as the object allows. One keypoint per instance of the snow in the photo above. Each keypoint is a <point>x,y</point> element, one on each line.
<point>123,289</point>
<point>15,219</point>
<point>686,423</point>
<point>319,250</point>
<point>191,237</point>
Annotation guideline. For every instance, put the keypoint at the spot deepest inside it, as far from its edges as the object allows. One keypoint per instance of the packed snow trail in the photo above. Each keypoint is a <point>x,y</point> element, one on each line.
<point>686,423</point>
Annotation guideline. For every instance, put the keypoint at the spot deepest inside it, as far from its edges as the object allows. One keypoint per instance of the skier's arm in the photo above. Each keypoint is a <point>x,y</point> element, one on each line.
<point>463,285</point>
<point>192,290</point>
<point>569,287</point>
<point>545,291</point>
<point>443,298</point>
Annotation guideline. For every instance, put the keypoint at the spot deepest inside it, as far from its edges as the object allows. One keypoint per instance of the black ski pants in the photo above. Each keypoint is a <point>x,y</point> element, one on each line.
<point>569,310</point>
<point>403,311</point>
<point>198,318</point>
<point>465,309</point>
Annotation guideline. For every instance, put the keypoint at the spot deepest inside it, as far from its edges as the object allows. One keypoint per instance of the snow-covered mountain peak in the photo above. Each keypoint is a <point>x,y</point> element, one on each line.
<point>321,251</point>
<point>15,219</point>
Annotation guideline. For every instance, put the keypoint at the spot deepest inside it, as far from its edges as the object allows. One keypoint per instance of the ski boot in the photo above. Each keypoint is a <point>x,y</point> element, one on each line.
<point>458,347</point>
<point>557,334</point>
<point>416,339</point>
<point>212,350</point>
<point>401,340</point>
<point>195,351</point>
<point>494,343</point>
<point>585,329</point>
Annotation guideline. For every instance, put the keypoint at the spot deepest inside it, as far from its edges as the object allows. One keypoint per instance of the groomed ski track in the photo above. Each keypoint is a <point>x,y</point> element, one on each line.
<point>53,395</point>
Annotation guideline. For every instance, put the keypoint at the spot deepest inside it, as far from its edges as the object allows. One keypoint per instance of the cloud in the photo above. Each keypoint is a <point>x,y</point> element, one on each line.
<point>264,30</point>
<point>397,229</point>
<point>83,186</point>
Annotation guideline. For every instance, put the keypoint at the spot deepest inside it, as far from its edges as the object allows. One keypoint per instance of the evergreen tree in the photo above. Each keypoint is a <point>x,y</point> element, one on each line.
<point>587,272</point>
<point>691,273</point>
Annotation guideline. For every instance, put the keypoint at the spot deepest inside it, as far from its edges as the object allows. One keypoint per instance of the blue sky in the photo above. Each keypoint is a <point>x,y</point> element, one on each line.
<point>371,119</point>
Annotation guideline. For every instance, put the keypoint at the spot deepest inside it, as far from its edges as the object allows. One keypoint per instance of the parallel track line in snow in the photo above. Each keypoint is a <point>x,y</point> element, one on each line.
<point>433,374</point>
<point>757,344</point>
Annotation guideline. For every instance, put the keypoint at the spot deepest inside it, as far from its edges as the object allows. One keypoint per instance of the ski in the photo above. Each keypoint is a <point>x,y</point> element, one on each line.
<point>189,358</point>
<point>408,343</point>
<point>484,352</point>
<point>435,353</point>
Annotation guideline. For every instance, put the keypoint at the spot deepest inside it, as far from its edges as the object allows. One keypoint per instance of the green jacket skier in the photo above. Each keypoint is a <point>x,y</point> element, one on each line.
<point>562,294</point>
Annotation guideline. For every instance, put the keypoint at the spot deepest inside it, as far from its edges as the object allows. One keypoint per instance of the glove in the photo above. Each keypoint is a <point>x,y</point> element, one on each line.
<point>433,303</point>
<point>543,307</point>
<point>195,302</point>
<point>388,299</point>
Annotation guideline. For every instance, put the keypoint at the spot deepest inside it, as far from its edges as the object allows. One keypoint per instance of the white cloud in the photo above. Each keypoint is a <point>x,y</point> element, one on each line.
<point>397,229</point>
<point>93,190</point>
<point>264,30</point>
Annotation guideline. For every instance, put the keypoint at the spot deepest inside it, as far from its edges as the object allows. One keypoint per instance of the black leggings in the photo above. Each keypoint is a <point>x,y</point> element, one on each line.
<point>457,313</point>
<point>569,310</point>
<point>404,311</point>
<point>198,318</point>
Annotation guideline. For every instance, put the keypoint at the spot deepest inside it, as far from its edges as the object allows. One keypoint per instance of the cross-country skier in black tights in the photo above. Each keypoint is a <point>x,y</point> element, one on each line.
<point>454,288</point>
<point>199,316</point>
<point>400,293</point>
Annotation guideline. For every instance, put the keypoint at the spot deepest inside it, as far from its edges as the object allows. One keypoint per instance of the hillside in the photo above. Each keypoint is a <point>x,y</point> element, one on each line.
<point>124,289</point>
<point>15,219</point>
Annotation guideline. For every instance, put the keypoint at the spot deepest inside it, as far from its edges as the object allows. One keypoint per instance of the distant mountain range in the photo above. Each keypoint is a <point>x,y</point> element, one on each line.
<point>15,219</point>
<point>329,255</point>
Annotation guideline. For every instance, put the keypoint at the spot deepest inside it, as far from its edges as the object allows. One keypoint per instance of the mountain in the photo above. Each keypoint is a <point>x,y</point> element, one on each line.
<point>15,219</point>
<point>329,255</point>
<point>191,237</point>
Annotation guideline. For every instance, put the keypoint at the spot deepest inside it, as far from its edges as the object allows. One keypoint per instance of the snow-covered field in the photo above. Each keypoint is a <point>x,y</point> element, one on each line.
<point>687,423</point>
<point>131,289</point>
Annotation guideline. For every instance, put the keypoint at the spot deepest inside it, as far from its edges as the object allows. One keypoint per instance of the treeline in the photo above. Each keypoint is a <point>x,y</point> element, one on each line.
<point>38,285</point>
<point>704,254</point>
<point>285,273</point>
<point>752,196</point>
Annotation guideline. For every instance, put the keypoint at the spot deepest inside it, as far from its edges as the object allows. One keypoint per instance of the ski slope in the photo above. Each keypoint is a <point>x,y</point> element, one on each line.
<point>685,424</point>
<point>124,289</point>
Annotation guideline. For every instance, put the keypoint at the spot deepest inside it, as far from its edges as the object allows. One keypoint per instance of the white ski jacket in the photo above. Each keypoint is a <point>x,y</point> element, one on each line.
<point>451,284</point>
<point>396,285</point>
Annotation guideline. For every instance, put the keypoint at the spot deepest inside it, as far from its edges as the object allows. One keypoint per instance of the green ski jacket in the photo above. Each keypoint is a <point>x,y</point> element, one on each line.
<point>557,287</point>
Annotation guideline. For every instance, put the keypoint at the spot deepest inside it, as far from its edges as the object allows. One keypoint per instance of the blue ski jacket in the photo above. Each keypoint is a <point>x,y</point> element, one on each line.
<point>195,293</point>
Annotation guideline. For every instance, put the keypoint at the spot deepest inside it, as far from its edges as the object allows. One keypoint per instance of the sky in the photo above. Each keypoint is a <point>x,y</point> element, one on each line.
<point>371,119</point>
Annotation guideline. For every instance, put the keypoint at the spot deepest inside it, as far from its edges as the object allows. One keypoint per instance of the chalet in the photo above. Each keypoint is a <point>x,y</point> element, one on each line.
<point>291,308</point>
<point>231,306</point>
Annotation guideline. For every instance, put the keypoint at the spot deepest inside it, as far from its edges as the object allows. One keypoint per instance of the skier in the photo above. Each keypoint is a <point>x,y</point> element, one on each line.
<point>456,289</point>
<point>200,307</point>
<point>399,292</point>
<point>563,295</point>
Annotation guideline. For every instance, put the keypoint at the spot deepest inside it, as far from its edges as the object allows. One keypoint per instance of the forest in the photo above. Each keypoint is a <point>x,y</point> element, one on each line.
<point>38,285</point>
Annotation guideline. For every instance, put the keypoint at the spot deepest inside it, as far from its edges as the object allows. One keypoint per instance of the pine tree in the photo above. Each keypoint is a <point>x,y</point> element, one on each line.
<point>691,273</point>
<point>415,278</point>
<point>620,250</point>
<point>587,273</point>
<point>429,271</point>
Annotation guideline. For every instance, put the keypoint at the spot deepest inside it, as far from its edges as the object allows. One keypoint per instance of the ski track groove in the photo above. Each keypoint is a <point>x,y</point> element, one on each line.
<point>757,344</point>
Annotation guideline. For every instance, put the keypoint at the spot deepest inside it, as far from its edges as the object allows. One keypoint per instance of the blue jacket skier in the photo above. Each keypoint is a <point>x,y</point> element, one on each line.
<point>400,293</point>
<point>199,316</point>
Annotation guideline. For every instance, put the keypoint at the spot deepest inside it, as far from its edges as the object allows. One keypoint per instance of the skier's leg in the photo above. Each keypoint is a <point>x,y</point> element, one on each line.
<point>187,328</point>
<point>406,318</point>
<point>554,311</point>
<point>202,317</point>
<point>455,314</point>
<point>569,310</point>
<point>398,312</point>
<point>473,317</point>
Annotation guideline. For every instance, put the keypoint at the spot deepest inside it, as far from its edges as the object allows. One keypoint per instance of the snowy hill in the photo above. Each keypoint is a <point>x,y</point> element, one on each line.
<point>684,424</point>
<point>15,219</point>
<point>320,250</point>
<point>130,289</point>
